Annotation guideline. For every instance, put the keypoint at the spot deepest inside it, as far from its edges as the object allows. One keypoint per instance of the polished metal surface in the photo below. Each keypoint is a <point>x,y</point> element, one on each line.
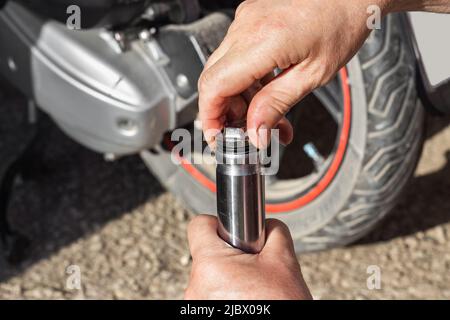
<point>240,191</point>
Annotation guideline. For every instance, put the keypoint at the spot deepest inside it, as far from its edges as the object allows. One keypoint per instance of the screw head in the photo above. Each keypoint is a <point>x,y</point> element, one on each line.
<point>118,36</point>
<point>182,81</point>
<point>127,127</point>
<point>144,35</point>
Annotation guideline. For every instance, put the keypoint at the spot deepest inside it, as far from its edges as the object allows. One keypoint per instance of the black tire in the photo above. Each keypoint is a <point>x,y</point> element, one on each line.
<point>384,143</point>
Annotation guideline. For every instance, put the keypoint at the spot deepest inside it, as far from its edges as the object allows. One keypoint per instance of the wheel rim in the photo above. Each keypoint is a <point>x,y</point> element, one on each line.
<point>286,195</point>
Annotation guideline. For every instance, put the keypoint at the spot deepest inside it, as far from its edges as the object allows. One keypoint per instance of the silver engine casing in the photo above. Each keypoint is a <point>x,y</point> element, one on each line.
<point>115,97</point>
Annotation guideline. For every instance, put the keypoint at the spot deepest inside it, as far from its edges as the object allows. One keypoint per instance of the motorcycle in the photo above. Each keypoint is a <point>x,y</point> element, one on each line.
<point>118,76</point>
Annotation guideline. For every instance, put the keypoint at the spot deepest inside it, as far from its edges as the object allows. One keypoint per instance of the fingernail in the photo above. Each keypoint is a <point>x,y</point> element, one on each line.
<point>263,137</point>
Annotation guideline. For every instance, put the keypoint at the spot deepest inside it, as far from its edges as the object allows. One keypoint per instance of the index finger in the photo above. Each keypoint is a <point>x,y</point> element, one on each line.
<point>231,75</point>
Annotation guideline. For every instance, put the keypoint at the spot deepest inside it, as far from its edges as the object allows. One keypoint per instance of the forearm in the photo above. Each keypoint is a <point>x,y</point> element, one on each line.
<point>418,5</point>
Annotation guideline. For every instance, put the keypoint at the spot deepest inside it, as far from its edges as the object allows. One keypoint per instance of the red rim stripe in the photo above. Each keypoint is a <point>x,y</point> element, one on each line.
<point>335,165</point>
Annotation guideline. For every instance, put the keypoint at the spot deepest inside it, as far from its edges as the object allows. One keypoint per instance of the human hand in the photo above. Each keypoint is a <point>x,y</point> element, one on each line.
<point>220,272</point>
<point>309,40</point>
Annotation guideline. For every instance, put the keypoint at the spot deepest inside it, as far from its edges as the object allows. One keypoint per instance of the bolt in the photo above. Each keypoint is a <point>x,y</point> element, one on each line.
<point>145,35</point>
<point>118,36</point>
<point>127,127</point>
<point>150,14</point>
<point>182,82</point>
<point>121,40</point>
<point>12,64</point>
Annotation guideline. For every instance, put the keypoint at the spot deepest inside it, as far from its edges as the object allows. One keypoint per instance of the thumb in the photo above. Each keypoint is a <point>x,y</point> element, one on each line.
<point>272,102</point>
<point>278,238</point>
<point>203,230</point>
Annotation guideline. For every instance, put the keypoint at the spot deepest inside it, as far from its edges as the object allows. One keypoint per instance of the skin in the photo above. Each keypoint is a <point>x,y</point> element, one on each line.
<point>221,272</point>
<point>310,40</point>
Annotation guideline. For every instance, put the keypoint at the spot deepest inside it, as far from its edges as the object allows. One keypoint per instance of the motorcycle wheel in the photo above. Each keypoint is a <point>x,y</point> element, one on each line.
<point>363,133</point>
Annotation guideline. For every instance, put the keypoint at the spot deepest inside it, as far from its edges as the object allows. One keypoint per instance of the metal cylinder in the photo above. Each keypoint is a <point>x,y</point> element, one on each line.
<point>240,191</point>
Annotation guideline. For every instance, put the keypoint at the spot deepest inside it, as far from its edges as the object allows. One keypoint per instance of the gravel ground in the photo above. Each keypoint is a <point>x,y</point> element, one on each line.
<point>127,235</point>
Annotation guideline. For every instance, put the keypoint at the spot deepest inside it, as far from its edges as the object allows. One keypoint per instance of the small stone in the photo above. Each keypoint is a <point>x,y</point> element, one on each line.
<point>438,235</point>
<point>185,259</point>
<point>411,242</point>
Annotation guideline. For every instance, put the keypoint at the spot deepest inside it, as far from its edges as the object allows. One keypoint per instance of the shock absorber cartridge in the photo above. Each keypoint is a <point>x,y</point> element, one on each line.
<point>240,191</point>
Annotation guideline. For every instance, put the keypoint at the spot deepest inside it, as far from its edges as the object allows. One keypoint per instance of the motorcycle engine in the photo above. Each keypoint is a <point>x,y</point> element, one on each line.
<point>117,13</point>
